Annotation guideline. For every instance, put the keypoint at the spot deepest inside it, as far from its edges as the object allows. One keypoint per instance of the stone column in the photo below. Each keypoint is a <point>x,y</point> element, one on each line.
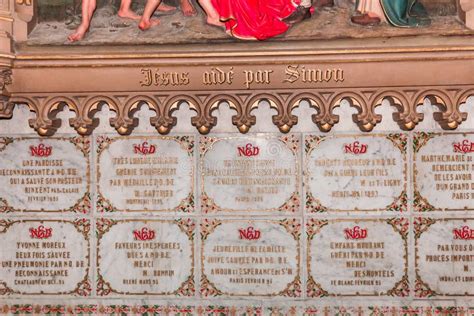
<point>466,12</point>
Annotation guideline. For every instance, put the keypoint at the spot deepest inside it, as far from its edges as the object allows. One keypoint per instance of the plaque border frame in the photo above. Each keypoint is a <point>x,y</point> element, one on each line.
<point>292,141</point>
<point>83,227</point>
<point>422,288</point>
<point>420,203</point>
<point>104,288</point>
<point>293,226</point>
<point>312,141</point>
<point>84,202</point>
<point>104,206</point>
<point>400,225</point>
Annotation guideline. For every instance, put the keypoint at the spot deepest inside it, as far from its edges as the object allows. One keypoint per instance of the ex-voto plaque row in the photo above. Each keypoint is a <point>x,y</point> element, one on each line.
<point>220,257</point>
<point>230,174</point>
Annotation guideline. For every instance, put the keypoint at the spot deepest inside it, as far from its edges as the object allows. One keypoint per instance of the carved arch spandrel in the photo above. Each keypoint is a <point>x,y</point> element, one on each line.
<point>281,119</point>
<point>406,116</point>
<point>323,102</point>
<point>325,119</point>
<point>450,116</point>
<point>84,122</point>
<point>366,118</point>
<point>46,108</point>
<point>214,102</point>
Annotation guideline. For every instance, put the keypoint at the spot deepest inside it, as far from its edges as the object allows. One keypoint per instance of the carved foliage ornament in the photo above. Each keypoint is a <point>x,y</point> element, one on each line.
<point>447,99</point>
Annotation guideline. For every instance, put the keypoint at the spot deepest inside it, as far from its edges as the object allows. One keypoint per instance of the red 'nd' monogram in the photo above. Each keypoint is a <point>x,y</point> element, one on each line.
<point>355,148</point>
<point>464,233</point>
<point>41,232</point>
<point>248,150</point>
<point>463,147</point>
<point>41,151</point>
<point>250,233</point>
<point>144,234</point>
<point>144,149</point>
<point>355,233</point>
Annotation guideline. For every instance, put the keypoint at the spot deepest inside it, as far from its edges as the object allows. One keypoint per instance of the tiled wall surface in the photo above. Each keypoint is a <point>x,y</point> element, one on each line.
<point>344,223</point>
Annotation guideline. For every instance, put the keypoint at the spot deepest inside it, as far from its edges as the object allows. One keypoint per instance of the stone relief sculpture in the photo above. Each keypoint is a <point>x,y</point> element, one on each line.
<point>116,22</point>
<point>263,19</point>
<point>88,7</point>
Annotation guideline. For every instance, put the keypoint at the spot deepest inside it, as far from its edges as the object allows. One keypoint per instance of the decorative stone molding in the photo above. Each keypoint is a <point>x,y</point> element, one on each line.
<point>242,75</point>
<point>6,108</point>
<point>406,99</point>
<point>466,8</point>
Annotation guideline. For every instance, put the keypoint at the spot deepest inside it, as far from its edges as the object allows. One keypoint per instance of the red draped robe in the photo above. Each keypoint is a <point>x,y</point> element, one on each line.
<point>254,19</point>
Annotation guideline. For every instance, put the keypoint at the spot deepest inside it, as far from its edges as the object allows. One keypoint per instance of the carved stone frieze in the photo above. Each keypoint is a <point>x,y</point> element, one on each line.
<point>406,100</point>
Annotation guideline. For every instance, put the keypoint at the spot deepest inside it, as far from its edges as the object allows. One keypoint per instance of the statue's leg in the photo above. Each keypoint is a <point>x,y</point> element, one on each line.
<point>211,12</point>
<point>187,8</point>
<point>146,21</point>
<point>126,12</point>
<point>88,8</point>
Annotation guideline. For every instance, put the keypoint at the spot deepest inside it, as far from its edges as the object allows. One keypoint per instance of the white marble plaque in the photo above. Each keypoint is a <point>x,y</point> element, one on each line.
<point>145,173</point>
<point>444,250</point>
<point>357,257</point>
<point>250,173</point>
<point>145,257</point>
<point>356,173</point>
<point>444,172</point>
<point>49,257</point>
<point>45,174</point>
<point>250,257</point>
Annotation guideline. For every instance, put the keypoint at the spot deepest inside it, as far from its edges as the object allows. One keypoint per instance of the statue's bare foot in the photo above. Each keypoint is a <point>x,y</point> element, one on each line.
<point>215,22</point>
<point>165,8</point>
<point>78,34</point>
<point>128,14</point>
<point>146,24</point>
<point>187,8</point>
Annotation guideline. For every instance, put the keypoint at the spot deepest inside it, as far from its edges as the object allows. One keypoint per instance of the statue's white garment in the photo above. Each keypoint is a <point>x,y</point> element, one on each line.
<point>373,6</point>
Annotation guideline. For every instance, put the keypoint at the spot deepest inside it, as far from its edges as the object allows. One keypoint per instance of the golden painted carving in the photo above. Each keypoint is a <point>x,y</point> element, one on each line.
<point>405,100</point>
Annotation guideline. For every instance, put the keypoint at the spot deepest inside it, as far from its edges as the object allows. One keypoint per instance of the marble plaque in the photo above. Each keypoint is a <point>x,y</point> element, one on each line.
<point>45,174</point>
<point>444,257</point>
<point>357,257</point>
<point>356,173</point>
<point>444,171</point>
<point>45,257</point>
<point>152,173</point>
<point>250,258</point>
<point>242,174</point>
<point>145,257</point>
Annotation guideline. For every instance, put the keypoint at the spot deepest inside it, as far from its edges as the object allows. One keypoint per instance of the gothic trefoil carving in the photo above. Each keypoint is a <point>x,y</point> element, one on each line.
<point>447,99</point>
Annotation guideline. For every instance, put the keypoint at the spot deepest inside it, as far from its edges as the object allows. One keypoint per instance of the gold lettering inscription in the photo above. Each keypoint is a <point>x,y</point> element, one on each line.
<point>297,73</point>
<point>257,77</point>
<point>217,76</point>
<point>159,78</point>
